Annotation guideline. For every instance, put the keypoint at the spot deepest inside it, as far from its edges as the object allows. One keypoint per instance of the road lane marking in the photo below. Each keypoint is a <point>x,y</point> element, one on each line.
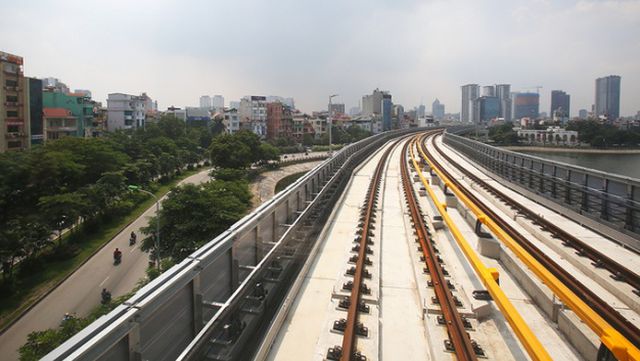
<point>132,249</point>
<point>105,280</point>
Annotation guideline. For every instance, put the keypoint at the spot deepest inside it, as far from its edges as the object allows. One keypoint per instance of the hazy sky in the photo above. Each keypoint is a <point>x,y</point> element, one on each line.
<point>418,50</point>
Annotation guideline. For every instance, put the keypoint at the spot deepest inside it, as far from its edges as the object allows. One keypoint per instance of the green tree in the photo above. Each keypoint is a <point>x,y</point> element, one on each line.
<point>193,215</point>
<point>61,211</point>
<point>229,151</point>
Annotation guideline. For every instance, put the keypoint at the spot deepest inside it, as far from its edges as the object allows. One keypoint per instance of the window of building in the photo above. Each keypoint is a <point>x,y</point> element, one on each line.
<point>12,98</point>
<point>10,82</point>
<point>11,68</point>
<point>13,128</point>
<point>12,113</point>
<point>14,144</point>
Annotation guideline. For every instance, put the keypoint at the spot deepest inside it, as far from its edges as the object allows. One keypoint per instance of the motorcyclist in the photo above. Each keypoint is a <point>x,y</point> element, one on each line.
<point>117,255</point>
<point>106,296</point>
<point>133,238</point>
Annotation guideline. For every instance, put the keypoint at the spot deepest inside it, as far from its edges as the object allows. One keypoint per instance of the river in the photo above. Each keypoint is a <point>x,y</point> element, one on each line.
<point>623,164</point>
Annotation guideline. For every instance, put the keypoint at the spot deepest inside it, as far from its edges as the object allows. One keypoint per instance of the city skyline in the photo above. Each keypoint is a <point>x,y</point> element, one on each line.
<point>170,63</point>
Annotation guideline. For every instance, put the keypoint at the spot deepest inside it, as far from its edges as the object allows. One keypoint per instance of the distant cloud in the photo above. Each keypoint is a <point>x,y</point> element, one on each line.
<point>418,50</point>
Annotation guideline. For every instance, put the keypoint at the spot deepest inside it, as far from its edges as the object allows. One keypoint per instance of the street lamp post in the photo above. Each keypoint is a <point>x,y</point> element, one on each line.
<point>157,240</point>
<point>330,121</point>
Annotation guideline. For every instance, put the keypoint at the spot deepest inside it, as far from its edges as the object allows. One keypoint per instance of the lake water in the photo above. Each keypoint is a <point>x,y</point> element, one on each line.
<point>623,164</point>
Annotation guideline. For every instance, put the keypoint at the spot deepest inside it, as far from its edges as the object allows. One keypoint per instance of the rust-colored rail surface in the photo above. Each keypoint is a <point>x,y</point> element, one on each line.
<point>608,313</point>
<point>463,346</point>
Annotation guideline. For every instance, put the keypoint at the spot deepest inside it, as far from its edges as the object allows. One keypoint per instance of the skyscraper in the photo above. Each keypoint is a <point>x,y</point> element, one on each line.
<point>489,91</point>
<point>526,105</point>
<point>608,97</point>
<point>560,102</point>
<point>470,92</point>
<point>437,109</point>
<point>217,102</point>
<point>372,103</point>
<point>503,92</point>
<point>387,107</point>
<point>486,108</point>
<point>205,102</point>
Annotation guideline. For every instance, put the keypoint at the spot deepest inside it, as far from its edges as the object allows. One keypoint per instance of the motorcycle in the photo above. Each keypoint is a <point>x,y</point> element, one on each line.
<point>106,296</point>
<point>117,257</point>
<point>132,239</point>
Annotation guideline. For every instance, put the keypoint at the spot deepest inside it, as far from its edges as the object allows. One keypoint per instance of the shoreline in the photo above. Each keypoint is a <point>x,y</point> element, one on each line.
<point>570,150</point>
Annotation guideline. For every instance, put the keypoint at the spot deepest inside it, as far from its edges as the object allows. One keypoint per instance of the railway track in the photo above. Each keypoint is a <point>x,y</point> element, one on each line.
<point>604,310</point>
<point>350,326</point>
<point>599,259</point>
<point>459,341</point>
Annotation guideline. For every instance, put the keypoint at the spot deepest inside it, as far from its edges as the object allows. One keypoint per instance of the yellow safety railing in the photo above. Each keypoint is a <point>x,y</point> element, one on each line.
<point>621,348</point>
<point>528,339</point>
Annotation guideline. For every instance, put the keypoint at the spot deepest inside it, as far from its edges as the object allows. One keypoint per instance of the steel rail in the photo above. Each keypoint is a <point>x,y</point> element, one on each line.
<point>619,335</point>
<point>462,344</point>
<point>348,349</point>
<point>619,272</point>
<point>528,339</point>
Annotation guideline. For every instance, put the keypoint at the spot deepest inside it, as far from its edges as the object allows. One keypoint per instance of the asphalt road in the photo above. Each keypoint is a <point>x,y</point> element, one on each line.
<point>80,293</point>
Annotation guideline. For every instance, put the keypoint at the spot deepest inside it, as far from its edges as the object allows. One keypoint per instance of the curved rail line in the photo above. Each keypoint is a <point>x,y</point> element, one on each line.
<point>594,303</point>
<point>354,304</point>
<point>464,348</point>
<point>618,271</point>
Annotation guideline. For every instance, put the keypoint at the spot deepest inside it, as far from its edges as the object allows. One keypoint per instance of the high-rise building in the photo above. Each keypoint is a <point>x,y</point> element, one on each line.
<point>470,92</point>
<point>503,92</point>
<point>437,110</point>
<point>205,102</point>
<point>15,120</point>
<point>397,116</point>
<point>608,97</point>
<point>387,108</point>
<point>253,114</point>
<point>234,104</point>
<point>560,104</point>
<point>489,91</point>
<point>582,114</point>
<point>421,111</point>
<point>486,109</point>
<point>336,109</point>
<point>526,105</point>
<point>353,111</point>
<point>126,111</point>
<point>217,102</point>
<point>372,103</point>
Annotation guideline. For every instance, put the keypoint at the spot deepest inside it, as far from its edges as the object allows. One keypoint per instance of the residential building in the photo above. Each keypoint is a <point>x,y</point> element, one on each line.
<point>231,120</point>
<point>80,106</point>
<point>526,105</point>
<point>582,114</point>
<point>36,119</point>
<point>437,109</point>
<point>253,114</point>
<point>470,92</point>
<point>279,121</point>
<point>397,116</point>
<point>608,97</point>
<point>54,85</point>
<point>320,127</point>
<point>302,126</point>
<point>217,102</point>
<point>205,102</point>
<point>387,107</point>
<point>371,123</point>
<point>336,109</point>
<point>59,123</point>
<point>198,117</point>
<point>126,111</point>
<point>15,127</point>
<point>486,109</point>
<point>421,111</point>
<point>560,105</point>
<point>550,136</point>
<point>503,92</point>
<point>84,92</point>
<point>234,104</point>
<point>177,112</point>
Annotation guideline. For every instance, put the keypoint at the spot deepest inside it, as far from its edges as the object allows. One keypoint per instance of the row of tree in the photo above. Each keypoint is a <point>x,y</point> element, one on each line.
<point>601,135</point>
<point>50,188</point>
